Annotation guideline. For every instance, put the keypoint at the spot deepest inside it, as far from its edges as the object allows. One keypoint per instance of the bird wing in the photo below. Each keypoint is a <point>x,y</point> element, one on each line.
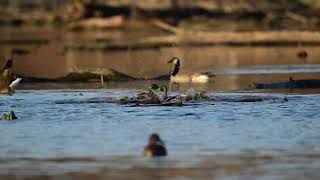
<point>15,83</point>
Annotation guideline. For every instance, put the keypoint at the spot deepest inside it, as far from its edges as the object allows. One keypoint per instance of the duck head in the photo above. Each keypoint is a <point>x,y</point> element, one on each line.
<point>176,62</point>
<point>153,87</point>
<point>155,147</point>
<point>155,139</point>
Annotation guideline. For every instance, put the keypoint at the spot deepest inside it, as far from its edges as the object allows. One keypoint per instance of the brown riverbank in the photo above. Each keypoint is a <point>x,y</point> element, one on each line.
<point>52,60</point>
<point>230,15</point>
<point>141,49</point>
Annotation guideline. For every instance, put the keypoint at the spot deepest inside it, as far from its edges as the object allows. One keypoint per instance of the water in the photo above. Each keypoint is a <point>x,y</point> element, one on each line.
<point>220,139</point>
<point>50,130</point>
<point>279,69</point>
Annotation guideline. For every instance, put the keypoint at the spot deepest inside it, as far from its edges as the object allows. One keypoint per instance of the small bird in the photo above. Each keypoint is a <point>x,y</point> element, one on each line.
<point>302,54</point>
<point>155,147</point>
<point>7,82</point>
<point>9,116</point>
<point>192,95</point>
<point>285,99</point>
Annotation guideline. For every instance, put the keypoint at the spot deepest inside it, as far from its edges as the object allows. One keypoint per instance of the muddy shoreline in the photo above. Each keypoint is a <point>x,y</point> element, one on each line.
<point>252,166</point>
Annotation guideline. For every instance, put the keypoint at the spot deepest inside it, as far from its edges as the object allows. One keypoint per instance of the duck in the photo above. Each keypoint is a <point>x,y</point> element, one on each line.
<point>9,116</point>
<point>155,147</point>
<point>6,77</point>
<point>198,77</point>
<point>193,95</point>
<point>155,95</point>
<point>7,82</point>
<point>302,54</point>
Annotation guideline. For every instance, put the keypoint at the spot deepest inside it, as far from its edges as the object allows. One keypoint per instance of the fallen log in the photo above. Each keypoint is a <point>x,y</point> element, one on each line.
<point>291,84</point>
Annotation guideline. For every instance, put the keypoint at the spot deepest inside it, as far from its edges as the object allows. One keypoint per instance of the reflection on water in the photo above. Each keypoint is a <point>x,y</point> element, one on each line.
<point>208,139</point>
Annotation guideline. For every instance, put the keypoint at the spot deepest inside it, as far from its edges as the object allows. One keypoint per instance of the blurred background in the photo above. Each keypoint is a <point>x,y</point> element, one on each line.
<point>53,38</point>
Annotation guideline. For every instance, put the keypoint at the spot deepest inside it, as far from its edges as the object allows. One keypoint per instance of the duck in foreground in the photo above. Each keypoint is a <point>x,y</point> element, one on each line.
<point>155,147</point>
<point>9,116</point>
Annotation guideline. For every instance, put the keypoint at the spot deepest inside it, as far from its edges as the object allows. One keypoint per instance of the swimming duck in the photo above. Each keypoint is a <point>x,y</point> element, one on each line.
<point>192,95</point>
<point>199,77</point>
<point>161,92</point>
<point>155,95</point>
<point>155,147</point>
<point>9,116</point>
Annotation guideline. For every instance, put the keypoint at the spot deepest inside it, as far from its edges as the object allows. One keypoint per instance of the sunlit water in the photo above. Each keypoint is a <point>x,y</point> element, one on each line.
<point>50,130</point>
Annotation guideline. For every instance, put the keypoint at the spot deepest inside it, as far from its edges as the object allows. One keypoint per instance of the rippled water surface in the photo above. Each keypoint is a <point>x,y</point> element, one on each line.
<point>47,129</point>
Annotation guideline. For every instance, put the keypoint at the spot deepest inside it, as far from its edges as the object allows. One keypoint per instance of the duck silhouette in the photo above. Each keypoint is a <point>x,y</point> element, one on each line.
<point>155,147</point>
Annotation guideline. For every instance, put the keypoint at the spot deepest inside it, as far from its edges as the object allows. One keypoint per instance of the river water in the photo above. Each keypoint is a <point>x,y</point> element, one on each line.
<point>67,131</point>
<point>217,138</point>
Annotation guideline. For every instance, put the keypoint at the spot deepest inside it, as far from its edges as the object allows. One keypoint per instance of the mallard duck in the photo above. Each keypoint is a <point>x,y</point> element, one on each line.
<point>155,147</point>
<point>9,116</point>
<point>154,95</point>
<point>199,77</point>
